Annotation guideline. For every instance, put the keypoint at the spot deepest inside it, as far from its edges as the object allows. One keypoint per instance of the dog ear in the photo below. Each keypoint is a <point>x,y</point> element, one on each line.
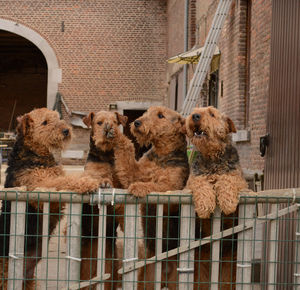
<point>231,126</point>
<point>121,119</point>
<point>24,123</point>
<point>87,120</point>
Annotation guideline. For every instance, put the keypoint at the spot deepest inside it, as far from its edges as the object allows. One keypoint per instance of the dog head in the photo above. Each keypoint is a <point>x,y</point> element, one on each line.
<point>159,125</point>
<point>104,124</point>
<point>209,129</point>
<point>42,129</point>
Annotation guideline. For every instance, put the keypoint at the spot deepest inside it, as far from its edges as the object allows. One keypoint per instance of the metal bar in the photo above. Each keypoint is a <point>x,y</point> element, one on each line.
<point>101,244</point>
<point>173,197</point>
<point>91,282</point>
<point>207,240</point>
<point>186,259</point>
<point>16,245</point>
<point>158,247</point>
<point>244,249</point>
<point>73,243</point>
<point>130,245</point>
<point>297,252</point>
<point>273,248</point>
<point>206,56</point>
<point>215,251</point>
<point>45,238</point>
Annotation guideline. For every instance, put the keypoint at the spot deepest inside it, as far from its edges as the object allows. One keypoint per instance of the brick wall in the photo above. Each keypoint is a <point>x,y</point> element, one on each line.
<point>109,50</point>
<point>244,69</point>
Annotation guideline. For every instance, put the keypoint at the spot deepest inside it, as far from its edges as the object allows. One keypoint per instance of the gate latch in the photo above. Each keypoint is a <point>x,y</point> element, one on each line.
<point>263,143</point>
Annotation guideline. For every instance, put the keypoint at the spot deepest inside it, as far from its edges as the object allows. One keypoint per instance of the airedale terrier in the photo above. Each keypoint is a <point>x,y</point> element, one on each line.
<point>100,165</point>
<point>162,168</point>
<point>215,178</point>
<point>32,164</point>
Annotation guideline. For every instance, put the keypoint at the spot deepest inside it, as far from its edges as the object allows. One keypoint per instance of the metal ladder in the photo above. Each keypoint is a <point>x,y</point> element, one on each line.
<point>203,65</point>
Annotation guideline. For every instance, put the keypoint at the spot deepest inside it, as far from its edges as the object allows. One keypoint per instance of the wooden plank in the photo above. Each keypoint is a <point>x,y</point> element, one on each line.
<point>186,259</point>
<point>73,244</point>
<point>215,251</point>
<point>244,249</point>
<point>16,245</point>
<point>44,268</point>
<point>273,250</point>
<point>130,245</point>
<point>159,236</point>
<point>101,244</point>
<point>207,240</point>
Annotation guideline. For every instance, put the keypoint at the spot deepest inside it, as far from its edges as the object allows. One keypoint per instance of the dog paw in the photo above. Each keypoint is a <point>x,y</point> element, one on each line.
<point>87,185</point>
<point>138,190</point>
<point>106,183</point>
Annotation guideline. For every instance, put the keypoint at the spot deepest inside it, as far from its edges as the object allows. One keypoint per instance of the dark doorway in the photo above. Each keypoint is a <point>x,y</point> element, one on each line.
<point>133,115</point>
<point>23,78</point>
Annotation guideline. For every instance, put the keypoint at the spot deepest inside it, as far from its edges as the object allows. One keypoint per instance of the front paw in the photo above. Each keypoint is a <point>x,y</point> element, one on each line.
<point>106,183</point>
<point>87,185</point>
<point>138,190</point>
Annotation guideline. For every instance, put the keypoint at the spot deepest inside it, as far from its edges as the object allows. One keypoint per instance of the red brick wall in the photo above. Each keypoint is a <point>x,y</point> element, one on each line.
<point>234,69</point>
<point>109,50</point>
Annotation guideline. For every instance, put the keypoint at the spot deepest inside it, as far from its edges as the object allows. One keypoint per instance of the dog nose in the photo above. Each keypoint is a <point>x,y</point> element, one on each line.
<point>196,117</point>
<point>65,132</point>
<point>137,123</point>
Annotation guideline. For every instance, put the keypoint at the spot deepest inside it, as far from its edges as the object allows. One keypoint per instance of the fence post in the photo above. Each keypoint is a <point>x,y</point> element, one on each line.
<point>45,238</point>
<point>297,250</point>
<point>273,248</point>
<point>73,243</point>
<point>215,251</point>
<point>187,235</point>
<point>130,244</point>
<point>244,249</point>
<point>159,237</point>
<point>16,245</point>
<point>101,244</point>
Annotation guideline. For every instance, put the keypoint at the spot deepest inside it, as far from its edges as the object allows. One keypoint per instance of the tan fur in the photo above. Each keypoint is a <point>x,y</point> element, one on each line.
<point>40,132</point>
<point>216,182</point>
<point>163,128</point>
<point>100,165</point>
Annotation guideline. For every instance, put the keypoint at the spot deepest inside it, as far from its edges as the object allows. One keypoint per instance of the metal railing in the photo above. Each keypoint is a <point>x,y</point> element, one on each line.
<point>242,251</point>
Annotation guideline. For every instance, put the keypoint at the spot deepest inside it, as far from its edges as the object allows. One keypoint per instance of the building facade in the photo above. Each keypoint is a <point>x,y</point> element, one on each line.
<point>239,87</point>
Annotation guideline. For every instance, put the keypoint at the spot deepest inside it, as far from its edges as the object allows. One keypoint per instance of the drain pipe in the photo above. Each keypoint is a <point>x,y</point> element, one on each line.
<point>186,44</point>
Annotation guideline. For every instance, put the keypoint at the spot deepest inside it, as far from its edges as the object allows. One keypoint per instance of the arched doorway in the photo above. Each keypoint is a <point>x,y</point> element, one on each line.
<point>29,72</point>
<point>23,78</point>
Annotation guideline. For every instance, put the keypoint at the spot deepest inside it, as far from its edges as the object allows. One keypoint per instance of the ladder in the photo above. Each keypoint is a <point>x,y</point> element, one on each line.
<point>203,65</point>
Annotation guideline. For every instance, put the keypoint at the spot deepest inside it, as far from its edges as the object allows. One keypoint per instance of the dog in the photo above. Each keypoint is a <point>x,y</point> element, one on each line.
<point>162,168</point>
<point>215,178</point>
<point>100,165</point>
<point>32,164</point>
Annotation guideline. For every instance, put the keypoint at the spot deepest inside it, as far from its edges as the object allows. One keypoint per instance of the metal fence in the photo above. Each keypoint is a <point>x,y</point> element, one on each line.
<point>153,242</point>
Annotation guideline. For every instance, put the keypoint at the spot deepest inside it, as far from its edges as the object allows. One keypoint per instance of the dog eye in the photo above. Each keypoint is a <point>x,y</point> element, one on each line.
<point>160,115</point>
<point>100,123</point>
<point>45,123</point>
<point>212,114</point>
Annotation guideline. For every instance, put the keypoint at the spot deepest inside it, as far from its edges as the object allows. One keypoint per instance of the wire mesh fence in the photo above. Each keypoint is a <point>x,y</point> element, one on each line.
<point>112,240</point>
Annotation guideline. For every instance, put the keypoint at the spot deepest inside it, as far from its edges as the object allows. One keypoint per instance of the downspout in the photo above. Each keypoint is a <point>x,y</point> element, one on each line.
<point>186,44</point>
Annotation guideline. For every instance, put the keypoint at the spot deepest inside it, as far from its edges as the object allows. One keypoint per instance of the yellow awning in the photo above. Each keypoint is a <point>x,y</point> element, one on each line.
<point>191,56</point>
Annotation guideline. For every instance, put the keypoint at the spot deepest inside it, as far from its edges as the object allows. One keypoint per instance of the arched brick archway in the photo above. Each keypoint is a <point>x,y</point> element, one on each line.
<point>54,71</point>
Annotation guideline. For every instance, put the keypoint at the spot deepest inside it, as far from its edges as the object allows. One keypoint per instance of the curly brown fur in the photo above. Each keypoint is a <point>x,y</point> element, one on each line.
<point>164,167</point>
<point>216,176</point>
<point>32,164</point>
<point>100,165</point>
